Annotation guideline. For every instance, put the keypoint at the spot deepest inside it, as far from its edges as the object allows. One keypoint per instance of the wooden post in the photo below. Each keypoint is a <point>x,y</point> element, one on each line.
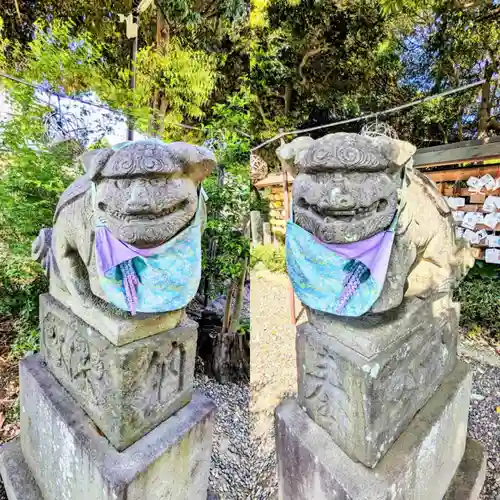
<point>266,229</point>
<point>286,201</point>
<point>256,227</point>
<point>133,60</point>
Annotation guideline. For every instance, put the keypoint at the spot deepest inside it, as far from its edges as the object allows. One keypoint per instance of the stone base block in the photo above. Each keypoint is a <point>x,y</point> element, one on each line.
<point>419,466</point>
<point>469,479</point>
<point>363,380</point>
<point>18,481</point>
<point>71,460</point>
<point>125,390</point>
<point>119,330</point>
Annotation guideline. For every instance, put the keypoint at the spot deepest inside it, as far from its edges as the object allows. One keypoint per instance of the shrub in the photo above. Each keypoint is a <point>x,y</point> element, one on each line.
<point>271,256</point>
<point>21,282</point>
<point>479,297</point>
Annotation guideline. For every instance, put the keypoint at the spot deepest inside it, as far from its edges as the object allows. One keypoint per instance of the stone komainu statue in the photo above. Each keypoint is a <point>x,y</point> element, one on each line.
<point>142,195</point>
<point>349,188</point>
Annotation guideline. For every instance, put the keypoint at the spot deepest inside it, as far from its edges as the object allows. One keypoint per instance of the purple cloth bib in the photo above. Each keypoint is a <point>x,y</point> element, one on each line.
<point>373,252</point>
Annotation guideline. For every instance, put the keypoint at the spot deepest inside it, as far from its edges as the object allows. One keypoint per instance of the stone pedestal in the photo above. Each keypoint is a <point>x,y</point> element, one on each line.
<point>363,382</point>
<point>69,459</point>
<point>382,409</point>
<point>106,422</point>
<point>420,465</point>
<point>118,330</point>
<point>126,390</point>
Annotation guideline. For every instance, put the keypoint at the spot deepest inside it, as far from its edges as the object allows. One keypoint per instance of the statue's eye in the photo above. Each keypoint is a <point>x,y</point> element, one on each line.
<point>158,181</point>
<point>122,183</point>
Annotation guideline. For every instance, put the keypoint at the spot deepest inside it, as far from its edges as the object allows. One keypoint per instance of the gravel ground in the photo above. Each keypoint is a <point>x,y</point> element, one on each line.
<point>232,453</point>
<point>484,422</point>
<point>272,369</point>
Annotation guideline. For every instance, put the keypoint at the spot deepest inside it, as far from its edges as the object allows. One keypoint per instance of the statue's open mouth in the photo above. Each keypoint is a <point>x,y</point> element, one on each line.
<point>346,215</point>
<point>144,216</point>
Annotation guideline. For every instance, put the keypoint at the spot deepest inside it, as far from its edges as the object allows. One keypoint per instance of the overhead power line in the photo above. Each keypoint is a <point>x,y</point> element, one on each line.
<point>370,115</point>
<point>276,137</point>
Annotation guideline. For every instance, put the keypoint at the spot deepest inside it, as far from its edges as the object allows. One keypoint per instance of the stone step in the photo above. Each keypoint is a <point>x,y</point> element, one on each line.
<point>69,458</point>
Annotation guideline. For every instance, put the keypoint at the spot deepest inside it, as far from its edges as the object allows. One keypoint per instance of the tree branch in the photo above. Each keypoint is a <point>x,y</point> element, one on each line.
<point>488,15</point>
<point>288,98</point>
<point>485,107</point>
<point>305,58</point>
<point>258,104</point>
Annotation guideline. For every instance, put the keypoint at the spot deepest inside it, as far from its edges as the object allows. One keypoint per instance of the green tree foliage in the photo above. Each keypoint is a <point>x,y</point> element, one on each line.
<point>479,299</point>
<point>32,176</point>
<point>96,15</point>
<point>216,28</point>
<point>228,191</point>
<point>72,65</point>
<point>186,78</point>
<point>449,43</point>
<point>226,239</point>
<point>316,61</point>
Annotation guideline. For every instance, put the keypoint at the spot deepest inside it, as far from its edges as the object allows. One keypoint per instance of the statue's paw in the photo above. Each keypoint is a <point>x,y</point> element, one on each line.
<point>93,302</point>
<point>90,301</point>
<point>111,309</point>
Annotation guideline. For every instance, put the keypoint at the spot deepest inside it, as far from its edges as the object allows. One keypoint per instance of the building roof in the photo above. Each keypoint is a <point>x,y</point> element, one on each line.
<point>273,180</point>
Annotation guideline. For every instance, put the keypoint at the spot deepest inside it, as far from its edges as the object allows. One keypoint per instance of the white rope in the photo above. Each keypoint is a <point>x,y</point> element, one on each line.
<point>370,115</point>
<point>280,135</point>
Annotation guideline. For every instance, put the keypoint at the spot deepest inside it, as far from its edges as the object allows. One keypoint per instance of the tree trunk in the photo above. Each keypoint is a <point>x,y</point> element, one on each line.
<point>460,126</point>
<point>227,311</point>
<point>161,117</point>
<point>484,110</point>
<point>156,125</point>
<point>133,59</point>
<point>231,358</point>
<point>288,98</point>
<point>240,354</point>
<point>162,29</point>
<point>153,119</point>
<point>222,348</point>
<point>443,131</point>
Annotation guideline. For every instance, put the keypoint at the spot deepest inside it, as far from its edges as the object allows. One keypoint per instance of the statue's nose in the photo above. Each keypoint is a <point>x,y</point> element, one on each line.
<point>342,199</point>
<point>337,198</point>
<point>139,200</point>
